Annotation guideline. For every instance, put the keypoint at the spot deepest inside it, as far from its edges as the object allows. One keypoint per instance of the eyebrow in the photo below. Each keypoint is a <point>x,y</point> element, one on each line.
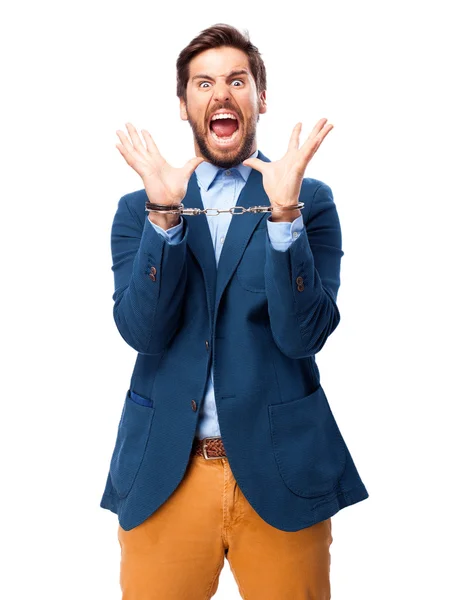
<point>231,74</point>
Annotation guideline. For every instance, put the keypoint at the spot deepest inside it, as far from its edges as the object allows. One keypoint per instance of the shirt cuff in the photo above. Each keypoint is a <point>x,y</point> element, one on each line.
<point>283,233</point>
<point>173,235</point>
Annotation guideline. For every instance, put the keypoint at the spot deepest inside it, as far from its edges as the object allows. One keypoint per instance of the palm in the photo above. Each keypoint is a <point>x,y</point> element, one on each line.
<point>282,178</point>
<point>163,183</point>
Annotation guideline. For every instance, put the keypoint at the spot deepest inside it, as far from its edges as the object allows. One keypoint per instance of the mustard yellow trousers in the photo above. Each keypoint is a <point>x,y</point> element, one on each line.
<point>179,551</point>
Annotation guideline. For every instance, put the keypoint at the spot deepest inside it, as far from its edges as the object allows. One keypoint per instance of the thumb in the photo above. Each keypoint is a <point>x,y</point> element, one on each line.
<point>192,164</point>
<point>255,163</point>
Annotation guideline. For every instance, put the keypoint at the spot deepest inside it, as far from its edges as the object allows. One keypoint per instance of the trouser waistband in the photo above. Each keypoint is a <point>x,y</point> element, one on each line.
<point>209,447</point>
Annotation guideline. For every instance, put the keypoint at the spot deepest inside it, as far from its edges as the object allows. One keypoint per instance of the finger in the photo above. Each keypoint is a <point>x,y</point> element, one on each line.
<point>125,154</point>
<point>294,138</point>
<point>192,164</point>
<point>135,137</point>
<point>322,134</point>
<point>312,147</point>
<point>315,131</point>
<point>318,127</point>
<point>326,131</point>
<point>151,145</point>
<point>254,163</point>
<point>125,142</point>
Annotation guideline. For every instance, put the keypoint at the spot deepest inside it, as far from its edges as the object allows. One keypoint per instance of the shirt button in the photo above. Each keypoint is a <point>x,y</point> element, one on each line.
<point>222,239</point>
<point>228,172</point>
<point>296,234</point>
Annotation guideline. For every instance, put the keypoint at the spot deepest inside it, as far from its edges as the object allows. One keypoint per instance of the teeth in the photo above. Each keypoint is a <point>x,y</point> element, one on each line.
<point>224,116</point>
<point>224,140</point>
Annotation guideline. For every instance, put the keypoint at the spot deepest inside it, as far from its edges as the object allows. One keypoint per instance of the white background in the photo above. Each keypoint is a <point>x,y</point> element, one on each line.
<point>392,79</point>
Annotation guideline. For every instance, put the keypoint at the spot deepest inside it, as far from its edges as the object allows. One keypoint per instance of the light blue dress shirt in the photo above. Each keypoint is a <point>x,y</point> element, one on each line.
<point>220,188</point>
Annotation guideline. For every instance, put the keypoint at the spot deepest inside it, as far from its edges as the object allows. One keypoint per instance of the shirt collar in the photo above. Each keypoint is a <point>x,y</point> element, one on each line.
<point>206,172</point>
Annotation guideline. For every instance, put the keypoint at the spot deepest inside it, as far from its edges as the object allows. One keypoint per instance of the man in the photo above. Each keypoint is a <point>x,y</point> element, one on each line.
<point>226,445</point>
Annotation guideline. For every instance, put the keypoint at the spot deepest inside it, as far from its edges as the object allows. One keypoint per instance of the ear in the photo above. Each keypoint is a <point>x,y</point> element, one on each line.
<point>262,103</point>
<point>183,112</point>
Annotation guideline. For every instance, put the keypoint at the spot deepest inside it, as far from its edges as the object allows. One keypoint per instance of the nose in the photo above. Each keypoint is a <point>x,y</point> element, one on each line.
<point>221,92</point>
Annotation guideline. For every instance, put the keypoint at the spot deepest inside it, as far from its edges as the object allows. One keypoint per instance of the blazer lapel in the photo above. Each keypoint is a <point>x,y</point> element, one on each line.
<point>200,240</point>
<point>241,227</point>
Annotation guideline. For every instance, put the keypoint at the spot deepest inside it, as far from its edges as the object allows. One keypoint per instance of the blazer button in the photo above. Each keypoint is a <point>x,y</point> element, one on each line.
<point>152,277</point>
<point>299,280</point>
<point>301,287</point>
<point>207,344</point>
<point>194,405</point>
<point>153,270</point>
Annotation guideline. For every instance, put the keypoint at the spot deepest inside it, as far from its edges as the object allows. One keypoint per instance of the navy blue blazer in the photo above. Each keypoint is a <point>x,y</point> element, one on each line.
<point>261,316</point>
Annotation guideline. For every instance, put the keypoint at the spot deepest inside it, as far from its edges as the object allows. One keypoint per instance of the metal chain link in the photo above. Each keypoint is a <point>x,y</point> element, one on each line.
<point>235,210</point>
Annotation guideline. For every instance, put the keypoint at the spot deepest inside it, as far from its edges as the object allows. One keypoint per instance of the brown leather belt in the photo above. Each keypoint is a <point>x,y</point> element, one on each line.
<point>209,447</point>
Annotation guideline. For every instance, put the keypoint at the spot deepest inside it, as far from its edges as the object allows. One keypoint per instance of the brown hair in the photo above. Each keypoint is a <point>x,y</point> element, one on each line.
<point>215,36</point>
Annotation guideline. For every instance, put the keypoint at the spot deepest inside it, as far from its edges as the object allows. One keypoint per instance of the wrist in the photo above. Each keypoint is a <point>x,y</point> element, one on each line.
<point>164,221</point>
<point>286,216</point>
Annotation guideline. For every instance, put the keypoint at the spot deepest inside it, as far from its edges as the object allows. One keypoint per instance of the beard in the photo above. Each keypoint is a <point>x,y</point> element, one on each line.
<point>225,159</point>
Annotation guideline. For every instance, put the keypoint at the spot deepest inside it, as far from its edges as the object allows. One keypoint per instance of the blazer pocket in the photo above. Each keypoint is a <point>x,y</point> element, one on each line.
<point>131,441</point>
<point>309,449</point>
<point>140,399</point>
<point>250,270</point>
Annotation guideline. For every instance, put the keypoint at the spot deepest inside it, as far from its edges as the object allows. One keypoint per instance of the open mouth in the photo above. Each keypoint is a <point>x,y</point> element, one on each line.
<point>224,129</point>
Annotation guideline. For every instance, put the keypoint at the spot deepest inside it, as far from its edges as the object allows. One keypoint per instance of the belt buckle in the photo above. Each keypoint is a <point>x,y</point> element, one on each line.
<point>204,451</point>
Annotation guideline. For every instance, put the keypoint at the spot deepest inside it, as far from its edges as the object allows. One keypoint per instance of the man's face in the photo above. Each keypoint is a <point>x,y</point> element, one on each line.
<point>216,84</point>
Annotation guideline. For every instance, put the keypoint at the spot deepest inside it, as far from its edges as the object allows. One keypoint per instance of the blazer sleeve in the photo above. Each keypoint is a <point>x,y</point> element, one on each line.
<point>149,280</point>
<point>302,282</point>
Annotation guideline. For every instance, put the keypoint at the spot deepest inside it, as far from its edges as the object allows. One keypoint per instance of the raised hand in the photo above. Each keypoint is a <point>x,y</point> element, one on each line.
<point>163,183</point>
<point>282,179</point>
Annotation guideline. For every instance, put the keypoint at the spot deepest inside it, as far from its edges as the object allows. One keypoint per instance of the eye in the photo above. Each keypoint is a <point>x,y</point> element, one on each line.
<point>206,82</point>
